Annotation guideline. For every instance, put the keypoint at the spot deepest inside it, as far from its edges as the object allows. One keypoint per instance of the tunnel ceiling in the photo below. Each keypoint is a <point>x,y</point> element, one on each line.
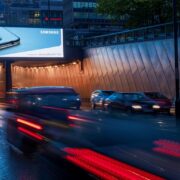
<point>38,63</point>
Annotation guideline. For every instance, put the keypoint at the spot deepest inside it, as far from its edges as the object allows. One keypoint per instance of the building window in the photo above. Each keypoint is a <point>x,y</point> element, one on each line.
<point>80,5</point>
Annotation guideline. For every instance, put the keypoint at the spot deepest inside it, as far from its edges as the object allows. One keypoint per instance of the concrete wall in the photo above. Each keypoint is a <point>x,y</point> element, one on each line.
<point>2,81</point>
<point>146,66</point>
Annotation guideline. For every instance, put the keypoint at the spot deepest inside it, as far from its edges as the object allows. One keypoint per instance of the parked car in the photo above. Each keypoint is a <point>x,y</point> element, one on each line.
<point>98,97</point>
<point>136,102</point>
<point>161,100</point>
<point>56,96</point>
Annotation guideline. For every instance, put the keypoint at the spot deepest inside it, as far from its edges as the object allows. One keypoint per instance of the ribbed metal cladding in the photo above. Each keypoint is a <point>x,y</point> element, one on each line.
<point>143,66</point>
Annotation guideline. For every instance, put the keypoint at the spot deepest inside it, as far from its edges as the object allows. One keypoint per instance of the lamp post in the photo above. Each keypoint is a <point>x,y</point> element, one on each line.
<point>177,103</point>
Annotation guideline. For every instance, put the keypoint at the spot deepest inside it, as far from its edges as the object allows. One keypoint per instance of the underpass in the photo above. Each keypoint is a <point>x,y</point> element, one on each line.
<point>136,63</point>
<point>145,65</point>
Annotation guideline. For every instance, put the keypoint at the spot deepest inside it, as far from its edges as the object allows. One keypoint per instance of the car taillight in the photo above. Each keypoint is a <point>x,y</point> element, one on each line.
<point>56,108</point>
<point>167,147</point>
<point>29,124</point>
<point>12,101</point>
<point>30,133</point>
<point>105,167</point>
<point>29,128</point>
<point>76,118</point>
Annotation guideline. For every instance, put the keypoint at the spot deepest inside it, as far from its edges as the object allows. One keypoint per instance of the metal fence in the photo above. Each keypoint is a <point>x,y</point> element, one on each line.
<point>162,31</point>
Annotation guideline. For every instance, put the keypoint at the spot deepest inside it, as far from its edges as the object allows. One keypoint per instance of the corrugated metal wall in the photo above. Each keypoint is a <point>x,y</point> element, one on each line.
<point>146,66</point>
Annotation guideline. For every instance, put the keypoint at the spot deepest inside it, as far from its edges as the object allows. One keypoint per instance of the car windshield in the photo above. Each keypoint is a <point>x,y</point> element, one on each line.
<point>134,97</point>
<point>44,90</point>
<point>55,99</point>
<point>156,95</point>
<point>32,100</point>
<point>108,93</point>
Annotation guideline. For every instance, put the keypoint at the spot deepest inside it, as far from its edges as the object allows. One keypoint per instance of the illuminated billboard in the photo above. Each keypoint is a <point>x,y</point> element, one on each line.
<point>31,42</point>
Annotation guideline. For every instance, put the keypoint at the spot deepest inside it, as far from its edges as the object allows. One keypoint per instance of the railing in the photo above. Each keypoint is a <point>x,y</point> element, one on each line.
<point>162,31</point>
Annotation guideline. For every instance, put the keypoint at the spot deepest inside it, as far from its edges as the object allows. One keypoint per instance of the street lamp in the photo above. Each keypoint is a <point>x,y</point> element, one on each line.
<point>177,103</point>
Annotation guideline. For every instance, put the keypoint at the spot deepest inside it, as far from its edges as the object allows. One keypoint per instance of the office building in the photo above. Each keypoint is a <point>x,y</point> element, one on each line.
<point>82,14</point>
<point>43,13</point>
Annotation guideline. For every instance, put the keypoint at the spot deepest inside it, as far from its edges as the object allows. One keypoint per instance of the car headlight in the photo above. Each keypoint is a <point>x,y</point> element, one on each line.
<point>136,107</point>
<point>156,107</point>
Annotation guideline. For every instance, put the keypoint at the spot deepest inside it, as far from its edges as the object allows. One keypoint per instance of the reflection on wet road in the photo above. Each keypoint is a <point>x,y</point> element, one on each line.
<point>15,166</point>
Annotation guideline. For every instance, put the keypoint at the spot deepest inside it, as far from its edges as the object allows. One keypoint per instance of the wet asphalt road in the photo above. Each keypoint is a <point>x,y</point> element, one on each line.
<point>14,166</point>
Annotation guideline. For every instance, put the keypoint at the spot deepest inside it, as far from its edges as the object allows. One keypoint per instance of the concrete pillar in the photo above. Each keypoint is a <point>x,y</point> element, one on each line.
<point>8,75</point>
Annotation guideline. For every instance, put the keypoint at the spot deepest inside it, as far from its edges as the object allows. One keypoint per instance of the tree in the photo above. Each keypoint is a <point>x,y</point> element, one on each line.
<point>138,13</point>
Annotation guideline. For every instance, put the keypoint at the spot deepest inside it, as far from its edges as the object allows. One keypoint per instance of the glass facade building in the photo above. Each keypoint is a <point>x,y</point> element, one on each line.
<point>31,13</point>
<point>78,14</point>
<point>82,14</point>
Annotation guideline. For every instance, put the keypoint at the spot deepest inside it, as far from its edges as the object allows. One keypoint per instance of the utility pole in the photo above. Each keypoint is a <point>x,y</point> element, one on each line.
<point>177,103</point>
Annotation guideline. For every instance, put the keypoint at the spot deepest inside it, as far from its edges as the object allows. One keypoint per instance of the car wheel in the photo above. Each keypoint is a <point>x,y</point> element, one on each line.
<point>155,113</point>
<point>28,147</point>
<point>93,106</point>
<point>103,107</point>
<point>168,112</point>
<point>129,110</point>
<point>109,108</point>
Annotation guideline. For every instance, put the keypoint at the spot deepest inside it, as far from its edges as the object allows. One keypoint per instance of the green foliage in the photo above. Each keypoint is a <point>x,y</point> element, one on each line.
<point>138,12</point>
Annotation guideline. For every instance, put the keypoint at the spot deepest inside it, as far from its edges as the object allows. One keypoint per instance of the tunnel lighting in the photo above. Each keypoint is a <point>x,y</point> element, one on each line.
<point>136,107</point>
<point>29,133</point>
<point>156,107</point>
<point>30,124</point>
<point>105,167</point>
<point>74,63</point>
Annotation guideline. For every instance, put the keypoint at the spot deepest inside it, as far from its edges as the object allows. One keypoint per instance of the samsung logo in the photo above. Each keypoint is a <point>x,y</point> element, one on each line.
<point>49,32</point>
